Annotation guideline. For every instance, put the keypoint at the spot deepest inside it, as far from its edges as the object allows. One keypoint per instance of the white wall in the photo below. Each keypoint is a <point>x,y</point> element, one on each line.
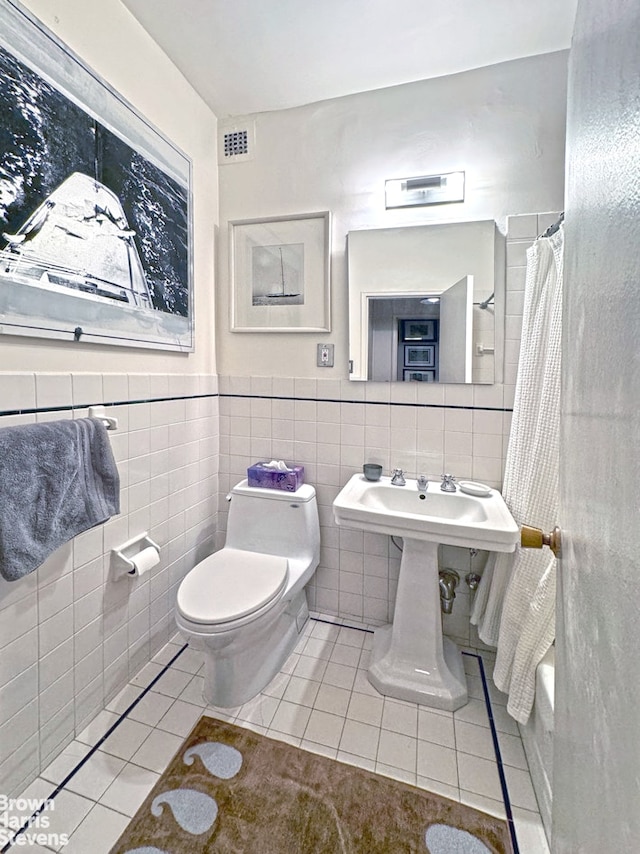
<point>503,125</point>
<point>111,42</point>
<point>71,636</point>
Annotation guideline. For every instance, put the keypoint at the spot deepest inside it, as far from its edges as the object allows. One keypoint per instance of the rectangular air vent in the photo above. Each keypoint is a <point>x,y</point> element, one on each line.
<point>236,143</point>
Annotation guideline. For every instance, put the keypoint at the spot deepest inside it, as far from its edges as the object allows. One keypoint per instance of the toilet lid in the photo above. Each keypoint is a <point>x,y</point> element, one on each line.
<point>230,584</point>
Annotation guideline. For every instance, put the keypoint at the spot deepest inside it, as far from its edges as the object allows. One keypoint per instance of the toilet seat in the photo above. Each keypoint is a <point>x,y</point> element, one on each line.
<point>231,584</point>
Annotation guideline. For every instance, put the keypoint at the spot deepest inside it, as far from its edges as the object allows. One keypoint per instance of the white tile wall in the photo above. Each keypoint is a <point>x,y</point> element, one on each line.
<point>333,426</point>
<point>70,636</point>
<point>332,432</point>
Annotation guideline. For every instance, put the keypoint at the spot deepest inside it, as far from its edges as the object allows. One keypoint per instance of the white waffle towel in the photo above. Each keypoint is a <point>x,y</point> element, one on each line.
<point>515,602</point>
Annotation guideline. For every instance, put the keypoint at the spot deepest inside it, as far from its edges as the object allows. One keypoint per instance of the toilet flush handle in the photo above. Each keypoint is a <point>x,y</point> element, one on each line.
<point>228,496</point>
<point>535,538</point>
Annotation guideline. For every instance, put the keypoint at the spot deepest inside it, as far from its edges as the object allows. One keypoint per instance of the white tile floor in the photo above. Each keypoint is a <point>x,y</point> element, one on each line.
<point>321,701</point>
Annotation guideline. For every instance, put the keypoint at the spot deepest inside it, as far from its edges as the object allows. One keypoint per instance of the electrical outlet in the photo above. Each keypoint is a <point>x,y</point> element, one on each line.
<point>325,355</point>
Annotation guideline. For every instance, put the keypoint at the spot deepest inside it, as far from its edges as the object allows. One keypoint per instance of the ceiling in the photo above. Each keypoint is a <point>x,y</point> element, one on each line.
<point>246,56</point>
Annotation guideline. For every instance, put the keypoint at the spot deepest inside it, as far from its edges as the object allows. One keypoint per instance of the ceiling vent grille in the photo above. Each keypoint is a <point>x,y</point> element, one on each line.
<point>236,144</point>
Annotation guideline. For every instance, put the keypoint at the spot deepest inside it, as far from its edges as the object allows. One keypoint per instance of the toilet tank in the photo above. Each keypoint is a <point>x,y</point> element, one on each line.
<point>274,522</point>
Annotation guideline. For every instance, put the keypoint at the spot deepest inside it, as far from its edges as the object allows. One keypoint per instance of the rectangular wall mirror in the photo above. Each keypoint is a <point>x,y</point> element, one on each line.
<point>426,303</point>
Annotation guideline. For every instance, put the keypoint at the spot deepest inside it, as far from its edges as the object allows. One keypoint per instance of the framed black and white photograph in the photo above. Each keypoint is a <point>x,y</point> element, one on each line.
<point>419,356</point>
<point>280,274</point>
<point>95,204</point>
<point>418,330</point>
<point>419,376</point>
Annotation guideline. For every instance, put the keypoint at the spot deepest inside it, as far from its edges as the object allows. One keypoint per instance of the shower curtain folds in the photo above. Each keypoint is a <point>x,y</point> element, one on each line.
<point>514,607</point>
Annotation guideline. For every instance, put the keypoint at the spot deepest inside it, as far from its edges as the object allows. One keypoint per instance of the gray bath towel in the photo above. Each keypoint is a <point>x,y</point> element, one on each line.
<point>57,479</point>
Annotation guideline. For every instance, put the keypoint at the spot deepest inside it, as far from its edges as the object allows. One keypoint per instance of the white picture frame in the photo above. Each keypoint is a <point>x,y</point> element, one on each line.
<point>280,273</point>
<point>97,236</point>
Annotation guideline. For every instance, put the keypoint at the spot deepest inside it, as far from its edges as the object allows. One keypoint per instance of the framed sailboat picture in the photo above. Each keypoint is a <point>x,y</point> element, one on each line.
<point>280,274</point>
<point>95,204</point>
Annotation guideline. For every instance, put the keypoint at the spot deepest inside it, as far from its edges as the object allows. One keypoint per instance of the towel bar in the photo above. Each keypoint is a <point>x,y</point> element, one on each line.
<point>99,412</point>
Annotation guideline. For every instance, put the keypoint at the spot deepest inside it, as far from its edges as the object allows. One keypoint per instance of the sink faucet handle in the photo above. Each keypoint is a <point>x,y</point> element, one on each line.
<point>397,477</point>
<point>448,484</point>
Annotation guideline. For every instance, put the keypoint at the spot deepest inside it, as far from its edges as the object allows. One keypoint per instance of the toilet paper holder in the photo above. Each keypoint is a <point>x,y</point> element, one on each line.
<point>123,558</point>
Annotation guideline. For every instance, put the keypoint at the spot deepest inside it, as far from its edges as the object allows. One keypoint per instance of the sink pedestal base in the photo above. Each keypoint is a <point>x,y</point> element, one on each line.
<point>410,659</point>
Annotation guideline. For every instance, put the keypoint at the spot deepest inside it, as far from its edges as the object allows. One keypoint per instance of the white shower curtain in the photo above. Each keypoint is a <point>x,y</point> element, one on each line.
<point>514,606</point>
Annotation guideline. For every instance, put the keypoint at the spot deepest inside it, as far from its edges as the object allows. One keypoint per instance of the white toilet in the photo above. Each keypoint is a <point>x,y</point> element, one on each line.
<point>245,605</point>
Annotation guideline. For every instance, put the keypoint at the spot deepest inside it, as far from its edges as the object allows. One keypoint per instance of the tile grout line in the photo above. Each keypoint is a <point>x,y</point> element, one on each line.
<point>93,750</point>
<point>364,402</point>
<point>35,410</point>
<point>496,747</point>
<point>341,625</point>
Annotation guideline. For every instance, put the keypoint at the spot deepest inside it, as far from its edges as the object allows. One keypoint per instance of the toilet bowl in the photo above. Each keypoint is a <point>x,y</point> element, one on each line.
<point>245,606</point>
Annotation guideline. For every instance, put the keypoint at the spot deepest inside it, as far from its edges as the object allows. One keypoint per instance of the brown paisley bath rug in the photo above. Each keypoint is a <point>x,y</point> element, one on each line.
<point>231,791</point>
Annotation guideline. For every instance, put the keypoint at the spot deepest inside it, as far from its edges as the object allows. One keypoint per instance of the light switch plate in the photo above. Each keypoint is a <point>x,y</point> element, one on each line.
<point>325,355</point>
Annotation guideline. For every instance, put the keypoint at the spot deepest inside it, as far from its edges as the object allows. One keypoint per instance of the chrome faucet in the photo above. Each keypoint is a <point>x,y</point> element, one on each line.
<point>397,478</point>
<point>447,484</point>
<point>422,482</point>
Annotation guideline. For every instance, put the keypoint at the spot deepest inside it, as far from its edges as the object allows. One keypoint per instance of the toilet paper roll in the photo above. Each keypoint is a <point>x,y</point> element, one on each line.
<point>144,560</point>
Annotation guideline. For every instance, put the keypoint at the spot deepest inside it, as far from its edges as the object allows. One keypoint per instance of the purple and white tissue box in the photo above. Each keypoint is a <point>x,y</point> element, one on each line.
<point>267,478</point>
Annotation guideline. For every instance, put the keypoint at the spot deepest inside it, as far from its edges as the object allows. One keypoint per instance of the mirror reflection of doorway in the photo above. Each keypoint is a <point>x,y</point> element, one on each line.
<point>422,338</point>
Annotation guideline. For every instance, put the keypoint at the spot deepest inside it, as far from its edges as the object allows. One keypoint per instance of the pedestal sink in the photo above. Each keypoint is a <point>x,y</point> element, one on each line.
<point>410,659</point>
